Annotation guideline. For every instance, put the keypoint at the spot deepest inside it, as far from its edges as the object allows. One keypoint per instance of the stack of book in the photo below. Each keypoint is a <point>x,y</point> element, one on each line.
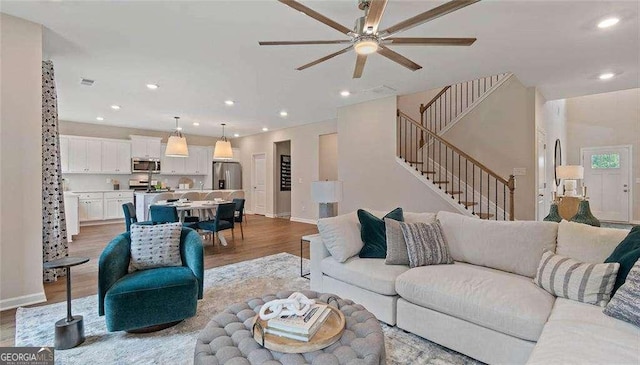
<point>301,328</point>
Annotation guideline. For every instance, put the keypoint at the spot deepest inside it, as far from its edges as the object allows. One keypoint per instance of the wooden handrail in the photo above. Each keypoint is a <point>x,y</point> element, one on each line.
<point>425,107</point>
<point>509,183</point>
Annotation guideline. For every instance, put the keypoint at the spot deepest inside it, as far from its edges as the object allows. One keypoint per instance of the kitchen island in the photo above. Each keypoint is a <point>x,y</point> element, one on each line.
<point>143,199</point>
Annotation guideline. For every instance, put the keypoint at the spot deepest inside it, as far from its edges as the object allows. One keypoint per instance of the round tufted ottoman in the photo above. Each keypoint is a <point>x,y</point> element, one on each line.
<point>227,339</point>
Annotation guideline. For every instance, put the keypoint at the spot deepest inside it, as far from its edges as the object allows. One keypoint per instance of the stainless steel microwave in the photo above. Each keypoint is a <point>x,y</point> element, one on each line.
<point>145,165</point>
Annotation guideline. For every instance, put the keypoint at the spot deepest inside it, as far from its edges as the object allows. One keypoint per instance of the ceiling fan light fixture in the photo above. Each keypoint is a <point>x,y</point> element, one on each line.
<point>366,45</point>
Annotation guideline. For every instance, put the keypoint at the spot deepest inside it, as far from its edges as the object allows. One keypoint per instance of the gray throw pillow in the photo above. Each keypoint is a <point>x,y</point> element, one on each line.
<point>396,246</point>
<point>155,246</point>
<point>624,304</point>
<point>426,244</point>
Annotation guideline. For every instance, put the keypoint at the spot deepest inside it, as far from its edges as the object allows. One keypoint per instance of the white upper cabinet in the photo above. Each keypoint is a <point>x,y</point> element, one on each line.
<point>116,157</point>
<point>198,161</point>
<point>146,147</point>
<point>84,155</point>
<point>64,153</point>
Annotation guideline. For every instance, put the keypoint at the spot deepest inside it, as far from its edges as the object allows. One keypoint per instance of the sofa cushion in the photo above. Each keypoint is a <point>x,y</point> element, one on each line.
<point>370,274</point>
<point>397,253</point>
<point>579,333</point>
<point>410,217</point>
<point>515,247</point>
<point>625,305</point>
<point>626,254</point>
<point>425,244</point>
<point>373,235</point>
<point>494,299</point>
<point>586,243</point>
<point>341,235</point>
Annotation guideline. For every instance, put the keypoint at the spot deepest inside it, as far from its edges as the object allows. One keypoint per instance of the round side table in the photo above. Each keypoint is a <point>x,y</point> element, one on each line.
<point>69,330</point>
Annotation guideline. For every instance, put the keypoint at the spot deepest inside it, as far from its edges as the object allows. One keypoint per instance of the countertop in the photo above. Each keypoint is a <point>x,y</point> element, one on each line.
<point>99,191</point>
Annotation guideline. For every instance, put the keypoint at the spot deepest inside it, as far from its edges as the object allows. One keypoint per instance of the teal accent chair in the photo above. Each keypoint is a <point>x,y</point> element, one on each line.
<point>152,297</point>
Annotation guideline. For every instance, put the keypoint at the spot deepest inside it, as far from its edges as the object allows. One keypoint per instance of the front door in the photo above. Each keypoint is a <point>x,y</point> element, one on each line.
<point>259,181</point>
<point>542,198</point>
<point>607,178</point>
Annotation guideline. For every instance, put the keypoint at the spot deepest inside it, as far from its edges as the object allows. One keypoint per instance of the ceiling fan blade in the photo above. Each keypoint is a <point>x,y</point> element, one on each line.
<point>317,16</point>
<point>397,57</point>
<point>360,61</point>
<point>434,13</point>
<point>293,43</point>
<point>324,58</point>
<point>376,10</point>
<point>431,41</point>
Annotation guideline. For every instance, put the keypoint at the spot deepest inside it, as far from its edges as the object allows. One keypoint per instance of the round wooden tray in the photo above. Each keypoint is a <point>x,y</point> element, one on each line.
<point>328,334</point>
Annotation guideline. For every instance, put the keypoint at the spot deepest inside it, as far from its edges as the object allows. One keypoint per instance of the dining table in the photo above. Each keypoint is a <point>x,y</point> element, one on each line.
<point>205,208</point>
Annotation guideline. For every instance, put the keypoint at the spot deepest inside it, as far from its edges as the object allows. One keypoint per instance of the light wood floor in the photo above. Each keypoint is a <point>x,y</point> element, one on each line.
<point>262,237</point>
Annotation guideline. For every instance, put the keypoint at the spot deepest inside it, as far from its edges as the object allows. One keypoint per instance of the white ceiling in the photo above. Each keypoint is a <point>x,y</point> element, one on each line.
<point>202,53</point>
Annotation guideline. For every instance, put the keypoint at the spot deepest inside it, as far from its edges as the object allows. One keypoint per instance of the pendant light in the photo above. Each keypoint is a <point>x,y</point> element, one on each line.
<point>177,143</point>
<point>223,149</point>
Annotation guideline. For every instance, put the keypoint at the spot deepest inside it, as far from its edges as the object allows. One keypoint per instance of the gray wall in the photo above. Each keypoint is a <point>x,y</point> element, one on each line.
<point>283,198</point>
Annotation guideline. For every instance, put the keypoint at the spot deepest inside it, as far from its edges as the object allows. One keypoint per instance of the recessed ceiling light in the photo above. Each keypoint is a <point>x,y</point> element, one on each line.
<point>265,129</point>
<point>609,22</point>
<point>236,135</point>
<point>196,124</point>
<point>115,107</point>
<point>284,113</point>
<point>606,76</point>
<point>100,118</point>
<point>345,93</point>
<point>229,102</point>
<point>152,86</point>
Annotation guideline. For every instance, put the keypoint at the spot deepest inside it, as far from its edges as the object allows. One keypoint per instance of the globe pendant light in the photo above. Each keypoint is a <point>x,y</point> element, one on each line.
<point>223,150</point>
<point>177,143</point>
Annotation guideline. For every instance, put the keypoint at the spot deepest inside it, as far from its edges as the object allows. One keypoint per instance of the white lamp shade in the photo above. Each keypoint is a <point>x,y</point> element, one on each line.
<point>326,191</point>
<point>223,150</point>
<point>177,147</point>
<point>570,172</point>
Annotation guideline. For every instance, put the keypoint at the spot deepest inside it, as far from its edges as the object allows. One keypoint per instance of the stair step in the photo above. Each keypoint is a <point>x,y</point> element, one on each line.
<point>484,215</point>
<point>415,162</point>
<point>468,204</point>
<point>428,172</point>
<point>453,192</point>
<point>441,182</point>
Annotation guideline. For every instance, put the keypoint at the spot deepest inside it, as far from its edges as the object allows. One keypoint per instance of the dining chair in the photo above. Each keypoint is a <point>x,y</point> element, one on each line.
<point>161,196</point>
<point>168,214</point>
<point>130,216</point>
<point>239,213</point>
<point>191,196</point>
<point>224,219</point>
<point>215,195</point>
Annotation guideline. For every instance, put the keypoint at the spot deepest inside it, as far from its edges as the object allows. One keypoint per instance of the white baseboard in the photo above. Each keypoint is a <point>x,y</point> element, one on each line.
<point>304,220</point>
<point>22,301</point>
<point>635,222</point>
<point>283,215</point>
<point>270,215</point>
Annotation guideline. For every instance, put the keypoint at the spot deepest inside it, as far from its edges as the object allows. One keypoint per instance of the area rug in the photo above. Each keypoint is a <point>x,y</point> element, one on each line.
<point>223,286</point>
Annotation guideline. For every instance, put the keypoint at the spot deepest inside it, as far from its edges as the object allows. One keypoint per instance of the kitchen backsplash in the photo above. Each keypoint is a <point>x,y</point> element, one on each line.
<point>89,182</point>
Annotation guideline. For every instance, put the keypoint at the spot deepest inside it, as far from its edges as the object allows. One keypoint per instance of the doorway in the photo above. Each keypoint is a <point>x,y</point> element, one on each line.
<point>607,176</point>
<point>259,182</point>
<point>282,187</point>
<point>542,201</point>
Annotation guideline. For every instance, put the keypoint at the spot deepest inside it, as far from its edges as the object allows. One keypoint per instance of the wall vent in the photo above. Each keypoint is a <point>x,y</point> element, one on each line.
<point>86,82</point>
<point>381,90</point>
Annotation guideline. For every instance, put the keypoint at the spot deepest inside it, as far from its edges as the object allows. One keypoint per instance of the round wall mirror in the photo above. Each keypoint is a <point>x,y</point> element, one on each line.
<point>557,160</point>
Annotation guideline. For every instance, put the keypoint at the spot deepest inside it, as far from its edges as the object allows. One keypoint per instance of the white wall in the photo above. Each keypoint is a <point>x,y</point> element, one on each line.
<point>367,166</point>
<point>329,157</point>
<point>607,119</point>
<point>305,141</point>
<point>20,163</point>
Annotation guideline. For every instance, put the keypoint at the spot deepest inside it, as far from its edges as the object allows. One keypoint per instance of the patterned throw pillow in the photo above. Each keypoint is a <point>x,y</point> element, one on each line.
<point>155,246</point>
<point>426,244</point>
<point>624,304</point>
<point>396,246</point>
<point>567,278</point>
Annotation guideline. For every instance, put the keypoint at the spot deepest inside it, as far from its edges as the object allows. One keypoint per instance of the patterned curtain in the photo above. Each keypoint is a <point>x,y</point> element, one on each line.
<point>54,228</point>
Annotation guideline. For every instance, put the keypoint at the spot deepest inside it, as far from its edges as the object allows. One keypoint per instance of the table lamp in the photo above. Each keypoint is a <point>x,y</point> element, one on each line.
<point>327,194</point>
<point>570,173</point>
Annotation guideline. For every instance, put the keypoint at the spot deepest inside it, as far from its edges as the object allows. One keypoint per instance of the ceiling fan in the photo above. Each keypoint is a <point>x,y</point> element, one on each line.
<point>366,38</point>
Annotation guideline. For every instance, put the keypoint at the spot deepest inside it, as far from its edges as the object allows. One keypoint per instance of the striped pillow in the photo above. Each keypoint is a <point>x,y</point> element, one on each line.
<point>425,244</point>
<point>567,278</point>
<point>624,304</point>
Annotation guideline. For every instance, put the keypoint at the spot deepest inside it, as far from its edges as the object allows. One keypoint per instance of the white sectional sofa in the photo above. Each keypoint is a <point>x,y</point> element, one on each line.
<point>485,305</point>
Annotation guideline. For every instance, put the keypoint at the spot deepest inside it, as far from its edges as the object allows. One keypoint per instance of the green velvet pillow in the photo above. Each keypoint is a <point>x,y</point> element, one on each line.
<point>626,254</point>
<point>373,233</point>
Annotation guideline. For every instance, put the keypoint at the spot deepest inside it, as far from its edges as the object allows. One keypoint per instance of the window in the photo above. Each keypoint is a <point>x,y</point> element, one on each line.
<point>605,161</point>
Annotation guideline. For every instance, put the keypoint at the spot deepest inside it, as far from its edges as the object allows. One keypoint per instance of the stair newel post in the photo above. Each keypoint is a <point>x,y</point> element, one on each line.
<point>398,133</point>
<point>422,123</point>
<point>512,188</point>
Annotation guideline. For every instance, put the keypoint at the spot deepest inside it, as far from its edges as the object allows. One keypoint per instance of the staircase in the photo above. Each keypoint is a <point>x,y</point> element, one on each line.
<point>467,184</point>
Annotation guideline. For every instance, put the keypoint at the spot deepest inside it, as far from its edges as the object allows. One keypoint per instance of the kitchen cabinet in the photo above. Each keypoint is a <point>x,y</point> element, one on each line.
<point>149,147</point>
<point>116,157</point>
<point>113,204</point>
<point>198,161</point>
<point>64,153</point>
<point>84,155</point>
<point>172,165</point>
<point>91,207</point>
<point>71,215</point>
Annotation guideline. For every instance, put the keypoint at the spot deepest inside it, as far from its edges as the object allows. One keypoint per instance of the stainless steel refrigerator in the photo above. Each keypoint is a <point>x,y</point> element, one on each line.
<point>227,175</point>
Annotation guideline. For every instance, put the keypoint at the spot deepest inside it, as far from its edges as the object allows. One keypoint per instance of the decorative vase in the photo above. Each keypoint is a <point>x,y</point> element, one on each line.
<point>554,215</point>
<point>584,215</point>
